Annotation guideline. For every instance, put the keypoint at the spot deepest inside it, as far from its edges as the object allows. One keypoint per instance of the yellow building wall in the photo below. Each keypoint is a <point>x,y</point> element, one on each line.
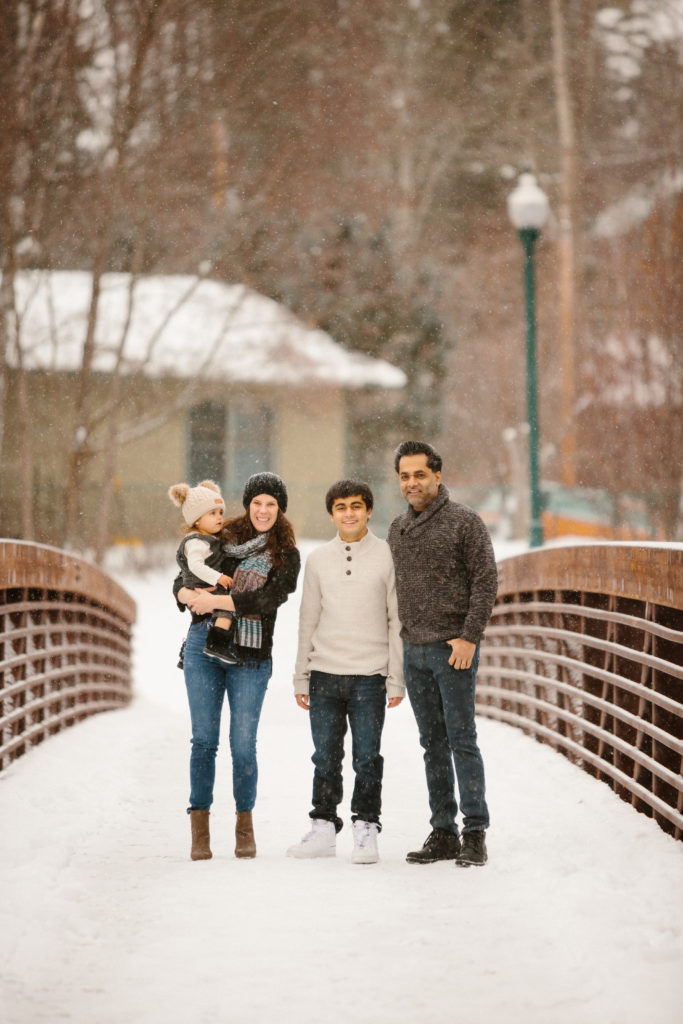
<point>312,448</point>
<point>147,468</point>
<point>308,445</point>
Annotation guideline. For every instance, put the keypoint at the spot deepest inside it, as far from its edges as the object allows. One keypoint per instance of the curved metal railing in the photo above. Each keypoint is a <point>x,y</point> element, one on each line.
<point>584,651</point>
<point>65,644</point>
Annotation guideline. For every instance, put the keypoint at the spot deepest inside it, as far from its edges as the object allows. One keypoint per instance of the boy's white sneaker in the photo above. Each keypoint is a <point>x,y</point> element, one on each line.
<point>365,842</point>
<point>321,841</point>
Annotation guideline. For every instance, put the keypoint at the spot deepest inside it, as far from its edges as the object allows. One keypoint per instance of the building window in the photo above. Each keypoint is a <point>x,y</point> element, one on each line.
<point>229,443</point>
<point>207,443</point>
<point>250,433</point>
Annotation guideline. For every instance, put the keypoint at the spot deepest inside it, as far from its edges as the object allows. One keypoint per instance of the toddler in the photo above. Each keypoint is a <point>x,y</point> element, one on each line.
<point>200,556</point>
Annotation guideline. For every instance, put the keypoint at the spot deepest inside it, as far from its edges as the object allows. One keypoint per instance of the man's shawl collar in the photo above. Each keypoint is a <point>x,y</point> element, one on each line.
<point>415,518</point>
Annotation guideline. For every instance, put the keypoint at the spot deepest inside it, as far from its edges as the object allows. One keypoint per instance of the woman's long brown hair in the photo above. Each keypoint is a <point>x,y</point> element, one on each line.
<point>280,540</point>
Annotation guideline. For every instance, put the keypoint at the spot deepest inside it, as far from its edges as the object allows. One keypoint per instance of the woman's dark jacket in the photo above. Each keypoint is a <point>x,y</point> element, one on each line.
<point>281,582</point>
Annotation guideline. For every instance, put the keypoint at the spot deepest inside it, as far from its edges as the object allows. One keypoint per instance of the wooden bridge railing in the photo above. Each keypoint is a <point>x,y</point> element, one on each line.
<point>585,652</point>
<point>65,644</point>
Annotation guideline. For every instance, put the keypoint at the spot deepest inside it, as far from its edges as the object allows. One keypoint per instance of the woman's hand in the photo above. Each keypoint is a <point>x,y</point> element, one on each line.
<point>201,602</point>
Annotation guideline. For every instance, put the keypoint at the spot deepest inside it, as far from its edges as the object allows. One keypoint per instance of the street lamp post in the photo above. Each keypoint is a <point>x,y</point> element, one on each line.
<point>528,211</point>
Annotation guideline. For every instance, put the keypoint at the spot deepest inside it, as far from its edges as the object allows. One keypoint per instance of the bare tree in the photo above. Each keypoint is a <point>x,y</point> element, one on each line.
<point>351,160</point>
<point>37,78</point>
<point>126,33</point>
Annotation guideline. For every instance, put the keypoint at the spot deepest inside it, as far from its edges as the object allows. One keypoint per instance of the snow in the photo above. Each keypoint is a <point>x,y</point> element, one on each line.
<point>181,326</point>
<point>626,35</point>
<point>575,920</point>
<point>634,208</point>
<point>636,370</point>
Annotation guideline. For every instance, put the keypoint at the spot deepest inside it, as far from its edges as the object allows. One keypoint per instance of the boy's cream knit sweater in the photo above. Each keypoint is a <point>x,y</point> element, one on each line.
<point>348,623</point>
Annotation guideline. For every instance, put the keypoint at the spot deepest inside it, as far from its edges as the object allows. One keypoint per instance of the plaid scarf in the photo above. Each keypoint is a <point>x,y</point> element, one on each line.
<point>251,574</point>
<point>248,548</point>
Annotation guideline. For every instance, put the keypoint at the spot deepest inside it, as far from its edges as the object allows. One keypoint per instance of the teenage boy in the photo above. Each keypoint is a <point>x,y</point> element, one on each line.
<point>446,582</point>
<point>348,668</point>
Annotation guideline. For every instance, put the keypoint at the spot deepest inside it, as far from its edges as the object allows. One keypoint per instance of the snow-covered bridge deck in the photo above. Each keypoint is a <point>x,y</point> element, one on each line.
<point>103,918</point>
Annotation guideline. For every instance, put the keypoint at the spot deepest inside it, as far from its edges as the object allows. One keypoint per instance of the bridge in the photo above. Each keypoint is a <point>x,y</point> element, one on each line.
<point>576,917</point>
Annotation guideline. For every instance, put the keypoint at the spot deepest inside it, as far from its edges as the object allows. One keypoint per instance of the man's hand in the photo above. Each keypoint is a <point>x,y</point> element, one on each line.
<point>394,702</point>
<point>303,701</point>
<point>463,652</point>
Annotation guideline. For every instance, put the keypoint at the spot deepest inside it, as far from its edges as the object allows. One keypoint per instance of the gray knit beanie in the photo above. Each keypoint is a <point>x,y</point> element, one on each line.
<point>196,501</point>
<point>265,483</point>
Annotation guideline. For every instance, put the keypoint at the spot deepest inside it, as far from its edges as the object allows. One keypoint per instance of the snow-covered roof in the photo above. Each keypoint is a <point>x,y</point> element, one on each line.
<point>181,326</point>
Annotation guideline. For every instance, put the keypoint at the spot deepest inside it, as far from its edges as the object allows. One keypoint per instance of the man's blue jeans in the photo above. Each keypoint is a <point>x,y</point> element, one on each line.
<point>362,701</point>
<point>207,682</point>
<point>442,699</point>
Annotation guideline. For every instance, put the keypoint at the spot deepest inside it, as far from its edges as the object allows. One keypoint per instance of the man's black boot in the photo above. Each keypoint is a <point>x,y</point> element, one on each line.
<point>473,851</point>
<point>439,845</point>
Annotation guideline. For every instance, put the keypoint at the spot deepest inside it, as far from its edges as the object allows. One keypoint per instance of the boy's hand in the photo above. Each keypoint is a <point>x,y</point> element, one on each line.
<point>225,581</point>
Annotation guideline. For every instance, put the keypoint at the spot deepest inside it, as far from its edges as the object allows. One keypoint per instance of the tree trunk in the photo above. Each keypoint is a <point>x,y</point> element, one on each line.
<point>26,475</point>
<point>24,424</point>
<point>567,240</point>
<point>107,494</point>
<point>5,299</point>
<point>80,453</point>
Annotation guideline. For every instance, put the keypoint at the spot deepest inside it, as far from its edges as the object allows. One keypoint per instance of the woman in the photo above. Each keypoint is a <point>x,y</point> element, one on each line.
<point>264,575</point>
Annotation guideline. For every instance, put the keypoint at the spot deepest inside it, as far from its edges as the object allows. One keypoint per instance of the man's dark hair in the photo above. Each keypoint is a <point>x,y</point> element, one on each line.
<point>349,488</point>
<point>418,448</point>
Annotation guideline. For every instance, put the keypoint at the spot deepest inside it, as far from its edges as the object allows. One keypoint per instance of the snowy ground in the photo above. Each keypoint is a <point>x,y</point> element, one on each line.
<point>577,919</point>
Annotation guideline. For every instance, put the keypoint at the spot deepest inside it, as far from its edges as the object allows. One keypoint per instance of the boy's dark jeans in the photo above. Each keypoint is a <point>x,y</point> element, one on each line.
<point>334,700</point>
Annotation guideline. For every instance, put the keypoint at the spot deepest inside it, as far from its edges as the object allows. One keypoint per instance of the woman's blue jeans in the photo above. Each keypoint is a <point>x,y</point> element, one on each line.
<point>442,699</point>
<point>207,682</point>
<point>362,701</point>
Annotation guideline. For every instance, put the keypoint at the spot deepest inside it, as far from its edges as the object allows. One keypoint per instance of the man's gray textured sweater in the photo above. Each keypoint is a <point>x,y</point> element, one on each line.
<point>446,577</point>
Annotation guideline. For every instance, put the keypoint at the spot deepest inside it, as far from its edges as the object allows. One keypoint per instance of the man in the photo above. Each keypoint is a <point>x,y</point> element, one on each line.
<point>348,667</point>
<point>446,584</point>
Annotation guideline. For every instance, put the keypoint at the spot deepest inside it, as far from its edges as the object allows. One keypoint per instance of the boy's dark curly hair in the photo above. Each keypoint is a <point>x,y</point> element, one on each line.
<point>349,488</point>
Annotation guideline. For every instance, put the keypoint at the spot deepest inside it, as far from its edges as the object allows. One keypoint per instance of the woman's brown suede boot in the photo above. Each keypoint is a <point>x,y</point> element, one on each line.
<point>245,845</point>
<point>199,821</point>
